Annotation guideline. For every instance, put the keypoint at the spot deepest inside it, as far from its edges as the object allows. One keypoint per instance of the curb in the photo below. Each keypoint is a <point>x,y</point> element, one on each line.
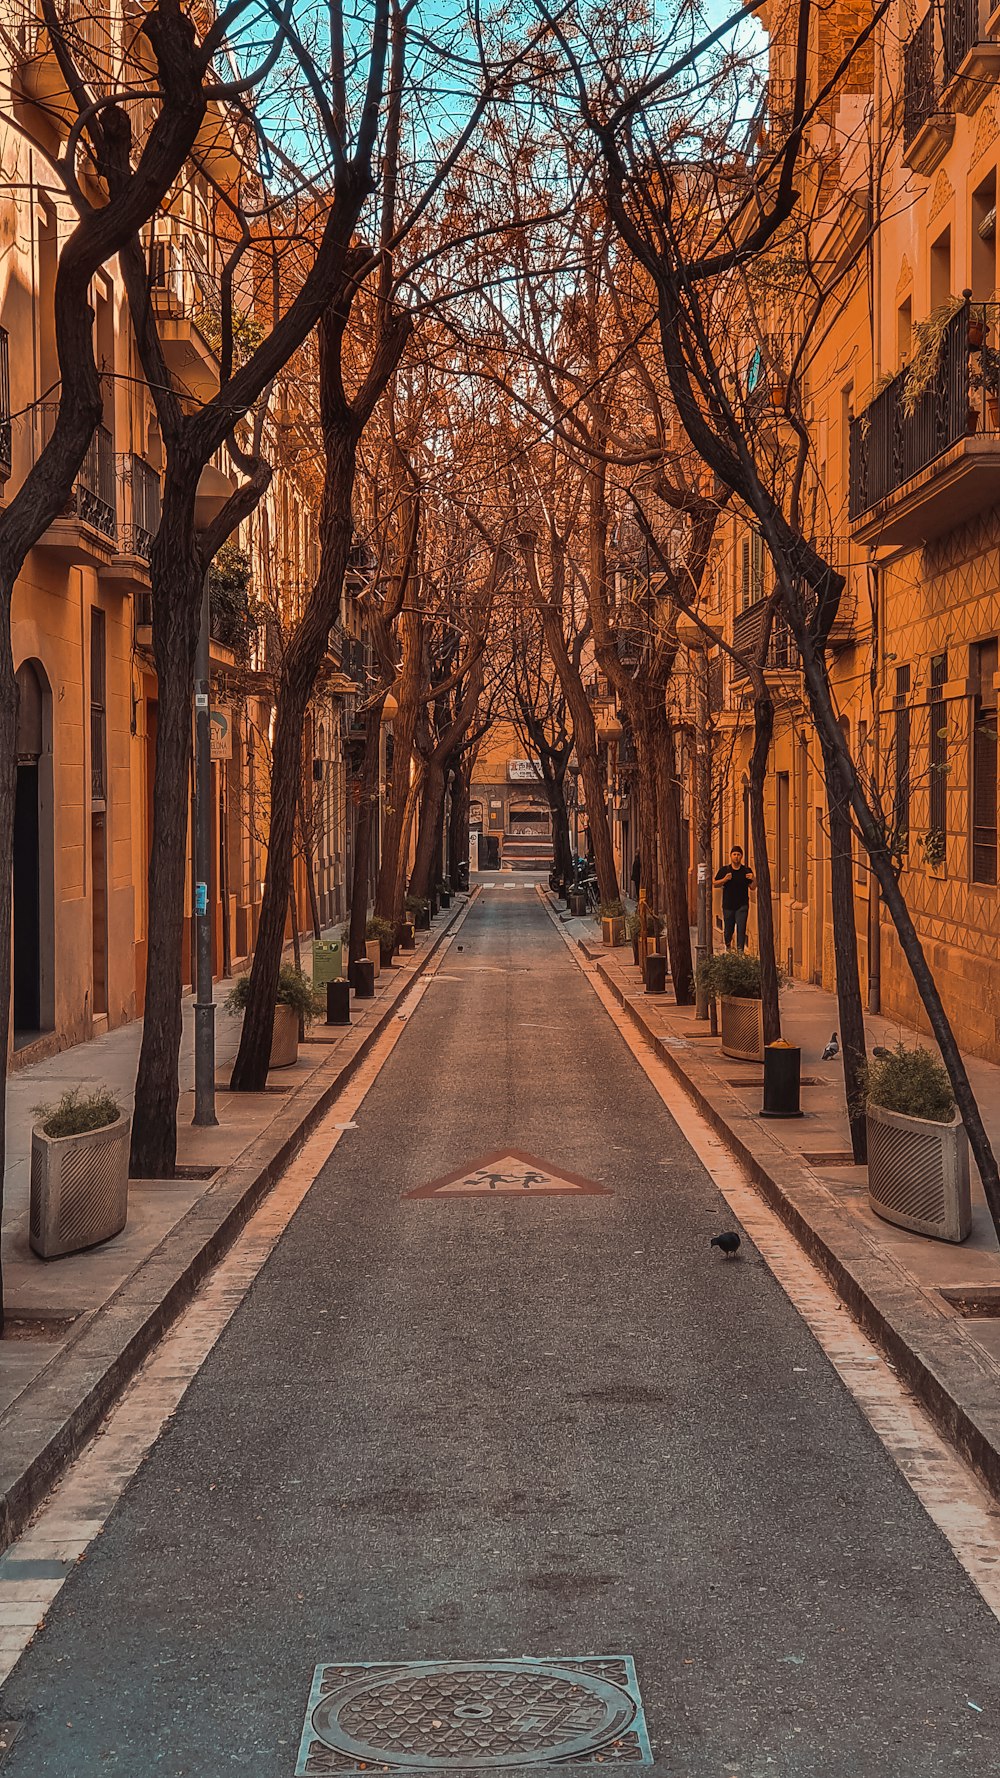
<point>953,1378</point>
<point>61,1409</point>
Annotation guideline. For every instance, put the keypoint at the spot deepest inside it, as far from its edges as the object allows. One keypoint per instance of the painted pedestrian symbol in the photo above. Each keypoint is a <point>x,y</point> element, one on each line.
<point>509,1173</point>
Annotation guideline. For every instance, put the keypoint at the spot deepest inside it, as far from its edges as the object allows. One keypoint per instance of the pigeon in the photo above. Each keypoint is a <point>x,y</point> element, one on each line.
<point>727,1243</point>
<point>832,1049</point>
<point>880,1052</point>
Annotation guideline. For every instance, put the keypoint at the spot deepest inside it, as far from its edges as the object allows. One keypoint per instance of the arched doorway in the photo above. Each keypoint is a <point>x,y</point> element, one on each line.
<point>33,997</point>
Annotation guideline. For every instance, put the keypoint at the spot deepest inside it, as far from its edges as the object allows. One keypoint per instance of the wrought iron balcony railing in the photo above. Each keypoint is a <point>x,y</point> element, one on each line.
<point>140,505</point>
<point>5,435</point>
<point>93,497</point>
<point>920,79</point>
<point>898,436</point>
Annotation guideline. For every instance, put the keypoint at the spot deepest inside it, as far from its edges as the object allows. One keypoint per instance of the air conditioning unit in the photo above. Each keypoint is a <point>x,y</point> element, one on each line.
<point>79,1188</point>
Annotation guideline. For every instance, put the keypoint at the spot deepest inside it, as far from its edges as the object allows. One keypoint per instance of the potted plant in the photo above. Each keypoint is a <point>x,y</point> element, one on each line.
<point>733,979</point>
<point>420,908</point>
<point>918,1151</point>
<point>295,1005</point>
<point>383,933</point>
<point>79,1172</point>
<point>612,918</point>
<point>632,934</point>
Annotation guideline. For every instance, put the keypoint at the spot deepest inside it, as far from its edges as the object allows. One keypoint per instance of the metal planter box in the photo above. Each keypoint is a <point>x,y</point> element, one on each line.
<point>742,1028</point>
<point>79,1188</point>
<point>284,1037</point>
<point>613,930</point>
<point>918,1174</point>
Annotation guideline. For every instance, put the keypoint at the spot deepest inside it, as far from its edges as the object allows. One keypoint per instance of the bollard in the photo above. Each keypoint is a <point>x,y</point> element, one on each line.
<point>423,919</point>
<point>363,978</point>
<point>782,1071</point>
<point>444,896</point>
<point>656,973</point>
<point>577,905</point>
<point>407,939</point>
<point>338,1002</point>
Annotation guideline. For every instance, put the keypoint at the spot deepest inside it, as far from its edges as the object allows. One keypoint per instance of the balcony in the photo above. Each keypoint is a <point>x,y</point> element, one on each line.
<point>748,638</point>
<point>928,126</point>
<point>971,58</point>
<point>86,532</point>
<point>187,302</point>
<point>138,522</point>
<point>917,474</point>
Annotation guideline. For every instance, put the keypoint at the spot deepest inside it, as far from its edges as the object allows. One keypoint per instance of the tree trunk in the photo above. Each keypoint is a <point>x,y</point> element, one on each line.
<point>8,792</point>
<point>678,923</point>
<point>458,833</point>
<point>391,889</point>
<point>302,661</point>
<point>176,582</point>
<point>358,931</point>
<point>763,731</point>
<point>853,1045</point>
<point>426,865</point>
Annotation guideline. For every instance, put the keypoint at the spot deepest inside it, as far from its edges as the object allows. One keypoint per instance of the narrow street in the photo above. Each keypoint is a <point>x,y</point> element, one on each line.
<point>500,1420</point>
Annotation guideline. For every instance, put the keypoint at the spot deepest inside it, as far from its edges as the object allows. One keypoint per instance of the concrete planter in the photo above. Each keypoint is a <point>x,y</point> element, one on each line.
<point>613,930</point>
<point>742,1028</point>
<point>918,1174</point>
<point>284,1037</point>
<point>373,951</point>
<point>79,1188</point>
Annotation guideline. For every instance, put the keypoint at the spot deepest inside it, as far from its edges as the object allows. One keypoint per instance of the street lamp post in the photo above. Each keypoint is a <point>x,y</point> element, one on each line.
<point>214,490</point>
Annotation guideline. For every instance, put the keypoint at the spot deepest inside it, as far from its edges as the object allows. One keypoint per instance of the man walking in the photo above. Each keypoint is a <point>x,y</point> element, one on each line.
<point>737,880</point>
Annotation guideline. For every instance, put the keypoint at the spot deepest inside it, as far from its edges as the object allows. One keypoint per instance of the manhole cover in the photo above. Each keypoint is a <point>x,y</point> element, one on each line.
<point>507,1171</point>
<point>445,1716</point>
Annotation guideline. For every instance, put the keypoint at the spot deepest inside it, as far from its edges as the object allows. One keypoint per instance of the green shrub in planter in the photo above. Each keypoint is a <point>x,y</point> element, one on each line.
<point>730,975</point>
<point>912,1081</point>
<point>383,930</point>
<point>611,910</point>
<point>294,990</point>
<point>417,904</point>
<point>78,1111</point>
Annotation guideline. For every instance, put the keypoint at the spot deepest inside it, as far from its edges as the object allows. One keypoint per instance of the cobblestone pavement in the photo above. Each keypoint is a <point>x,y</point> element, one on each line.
<point>511,1417</point>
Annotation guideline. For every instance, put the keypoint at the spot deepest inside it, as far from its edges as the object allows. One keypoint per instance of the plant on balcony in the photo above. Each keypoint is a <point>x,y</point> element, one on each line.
<point>229,599</point>
<point>928,339</point>
<point>935,847</point>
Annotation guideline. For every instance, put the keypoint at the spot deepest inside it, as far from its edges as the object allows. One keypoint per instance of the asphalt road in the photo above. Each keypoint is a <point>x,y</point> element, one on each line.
<point>475,1428</point>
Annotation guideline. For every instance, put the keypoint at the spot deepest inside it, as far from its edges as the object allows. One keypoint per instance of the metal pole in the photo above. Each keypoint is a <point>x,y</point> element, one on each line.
<point>703,945</point>
<point>204,1006</point>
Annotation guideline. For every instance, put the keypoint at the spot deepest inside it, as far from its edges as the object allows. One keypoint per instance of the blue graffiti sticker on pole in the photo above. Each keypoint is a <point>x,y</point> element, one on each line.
<point>201,898</point>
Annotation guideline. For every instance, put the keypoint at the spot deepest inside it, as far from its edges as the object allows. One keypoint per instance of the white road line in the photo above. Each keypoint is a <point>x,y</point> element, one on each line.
<point>76,1510</point>
<point>951,1495</point>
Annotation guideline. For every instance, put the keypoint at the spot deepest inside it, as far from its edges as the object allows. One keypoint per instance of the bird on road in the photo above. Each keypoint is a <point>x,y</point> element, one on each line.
<point>728,1243</point>
<point>832,1049</point>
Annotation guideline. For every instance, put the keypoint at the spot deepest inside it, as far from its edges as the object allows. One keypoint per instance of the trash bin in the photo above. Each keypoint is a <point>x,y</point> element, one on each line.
<point>782,1072</point>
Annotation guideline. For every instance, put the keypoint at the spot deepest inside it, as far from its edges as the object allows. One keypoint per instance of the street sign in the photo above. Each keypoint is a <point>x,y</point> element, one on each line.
<point>221,731</point>
<point>523,771</point>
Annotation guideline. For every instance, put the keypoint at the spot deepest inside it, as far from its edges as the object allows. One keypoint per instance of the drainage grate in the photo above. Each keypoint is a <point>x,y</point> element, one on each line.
<point>980,1302</point>
<point>451,1716</point>
<point>829,1160</point>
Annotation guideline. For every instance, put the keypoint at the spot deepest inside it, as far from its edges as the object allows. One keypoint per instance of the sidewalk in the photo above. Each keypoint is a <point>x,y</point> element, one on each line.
<point>892,1281</point>
<point>82,1325</point>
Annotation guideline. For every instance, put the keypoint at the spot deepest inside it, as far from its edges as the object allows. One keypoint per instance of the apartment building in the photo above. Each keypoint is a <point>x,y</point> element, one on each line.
<point>81,613</point>
<point>898,386</point>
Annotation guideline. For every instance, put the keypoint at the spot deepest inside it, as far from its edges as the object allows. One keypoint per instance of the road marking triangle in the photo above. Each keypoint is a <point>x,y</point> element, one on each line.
<point>509,1173</point>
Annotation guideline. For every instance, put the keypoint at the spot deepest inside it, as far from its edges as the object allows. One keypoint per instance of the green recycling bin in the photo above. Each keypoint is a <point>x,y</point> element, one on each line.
<point>328,961</point>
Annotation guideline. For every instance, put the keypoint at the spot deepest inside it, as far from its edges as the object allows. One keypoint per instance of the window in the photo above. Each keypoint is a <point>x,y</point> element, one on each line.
<point>941,269</point>
<point>983,812</point>
<point>751,570</point>
<point>783,832</point>
<point>983,240</point>
<point>98,707</point>
<point>937,759</point>
<point>904,330</point>
<point>801,822</point>
<point>864,774</point>
<point>901,764</point>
